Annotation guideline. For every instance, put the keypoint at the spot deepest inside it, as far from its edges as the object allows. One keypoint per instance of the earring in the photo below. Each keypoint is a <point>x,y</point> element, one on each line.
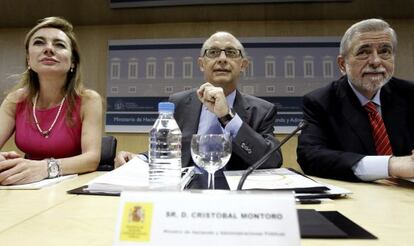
<point>71,69</point>
<point>29,68</point>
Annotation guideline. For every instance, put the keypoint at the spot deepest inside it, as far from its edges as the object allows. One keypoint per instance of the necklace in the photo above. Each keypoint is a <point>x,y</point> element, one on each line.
<point>46,132</point>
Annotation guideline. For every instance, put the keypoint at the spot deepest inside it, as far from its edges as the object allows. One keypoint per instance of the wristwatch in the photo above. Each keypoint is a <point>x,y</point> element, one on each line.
<point>227,118</point>
<point>53,168</point>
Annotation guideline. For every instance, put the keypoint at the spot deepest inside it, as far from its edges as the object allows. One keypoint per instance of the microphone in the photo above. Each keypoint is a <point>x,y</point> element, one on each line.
<point>303,124</point>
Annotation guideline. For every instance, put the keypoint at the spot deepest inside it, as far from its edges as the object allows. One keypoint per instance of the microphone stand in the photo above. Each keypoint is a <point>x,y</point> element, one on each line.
<point>260,162</point>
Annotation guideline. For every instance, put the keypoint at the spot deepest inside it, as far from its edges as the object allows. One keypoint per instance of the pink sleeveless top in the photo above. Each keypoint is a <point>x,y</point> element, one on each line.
<point>63,141</point>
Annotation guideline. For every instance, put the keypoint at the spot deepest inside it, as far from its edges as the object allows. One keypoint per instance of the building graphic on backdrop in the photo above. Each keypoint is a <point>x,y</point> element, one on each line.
<point>142,73</point>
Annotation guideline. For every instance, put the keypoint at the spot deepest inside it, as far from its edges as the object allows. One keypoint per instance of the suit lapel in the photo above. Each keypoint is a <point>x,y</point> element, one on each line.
<point>393,111</point>
<point>241,107</point>
<point>355,115</point>
<point>193,110</point>
<point>189,117</point>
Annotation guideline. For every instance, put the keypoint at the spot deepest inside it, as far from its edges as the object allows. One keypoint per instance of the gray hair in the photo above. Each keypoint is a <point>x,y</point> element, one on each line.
<point>369,25</point>
<point>238,43</point>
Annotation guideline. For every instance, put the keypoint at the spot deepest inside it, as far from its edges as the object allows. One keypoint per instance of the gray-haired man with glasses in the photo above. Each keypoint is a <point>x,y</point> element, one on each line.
<point>217,106</point>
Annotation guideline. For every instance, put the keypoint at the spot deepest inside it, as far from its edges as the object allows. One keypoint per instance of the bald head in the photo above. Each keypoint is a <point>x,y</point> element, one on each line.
<point>220,36</point>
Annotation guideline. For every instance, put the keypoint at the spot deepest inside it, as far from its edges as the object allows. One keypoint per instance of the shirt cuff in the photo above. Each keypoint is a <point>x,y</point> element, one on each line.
<point>233,126</point>
<point>372,167</point>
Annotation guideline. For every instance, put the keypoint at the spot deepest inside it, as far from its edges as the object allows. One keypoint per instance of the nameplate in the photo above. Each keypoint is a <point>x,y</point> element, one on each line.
<point>207,218</point>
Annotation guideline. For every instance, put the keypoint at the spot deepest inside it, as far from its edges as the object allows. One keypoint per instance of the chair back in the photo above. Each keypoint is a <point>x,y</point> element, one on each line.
<point>108,152</point>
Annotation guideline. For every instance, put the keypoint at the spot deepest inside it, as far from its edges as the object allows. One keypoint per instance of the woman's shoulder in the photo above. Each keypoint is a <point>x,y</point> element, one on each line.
<point>91,103</point>
<point>12,100</point>
<point>90,98</point>
<point>17,96</point>
<point>89,94</point>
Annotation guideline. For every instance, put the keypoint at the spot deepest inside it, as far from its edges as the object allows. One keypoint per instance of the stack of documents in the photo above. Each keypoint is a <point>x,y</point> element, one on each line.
<point>133,175</point>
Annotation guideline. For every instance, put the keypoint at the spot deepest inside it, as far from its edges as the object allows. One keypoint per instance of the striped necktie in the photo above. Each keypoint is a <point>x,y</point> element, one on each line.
<point>382,142</point>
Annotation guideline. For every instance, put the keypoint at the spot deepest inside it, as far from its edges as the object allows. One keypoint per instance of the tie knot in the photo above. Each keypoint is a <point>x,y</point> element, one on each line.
<point>370,107</point>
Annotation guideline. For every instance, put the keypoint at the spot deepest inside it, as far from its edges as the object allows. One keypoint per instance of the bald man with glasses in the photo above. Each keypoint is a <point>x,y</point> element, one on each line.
<point>217,107</point>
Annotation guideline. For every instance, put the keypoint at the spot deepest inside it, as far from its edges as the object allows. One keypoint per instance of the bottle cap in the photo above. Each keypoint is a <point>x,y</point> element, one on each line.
<point>166,107</point>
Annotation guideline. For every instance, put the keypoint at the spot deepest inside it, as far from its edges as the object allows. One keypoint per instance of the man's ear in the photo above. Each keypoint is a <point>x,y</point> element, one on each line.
<point>340,60</point>
<point>244,64</point>
<point>200,62</point>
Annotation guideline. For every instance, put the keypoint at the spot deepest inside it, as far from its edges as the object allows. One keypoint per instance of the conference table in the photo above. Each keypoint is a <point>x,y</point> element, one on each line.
<point>50,216</point>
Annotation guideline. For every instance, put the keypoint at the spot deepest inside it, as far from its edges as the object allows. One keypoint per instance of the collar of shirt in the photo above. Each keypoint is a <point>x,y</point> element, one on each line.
<point>364,100</point>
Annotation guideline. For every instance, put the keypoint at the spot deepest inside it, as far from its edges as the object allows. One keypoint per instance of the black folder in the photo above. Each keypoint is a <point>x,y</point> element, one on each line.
<point>329,224</point>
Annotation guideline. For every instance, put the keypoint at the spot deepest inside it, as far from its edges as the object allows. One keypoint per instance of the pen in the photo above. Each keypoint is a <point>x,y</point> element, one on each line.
<point>190,178</point>
<point>184,171</point>
<point>187,175</point>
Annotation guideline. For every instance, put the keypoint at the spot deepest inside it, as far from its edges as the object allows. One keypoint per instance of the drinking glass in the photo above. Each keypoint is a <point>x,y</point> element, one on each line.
<point>211,152</point>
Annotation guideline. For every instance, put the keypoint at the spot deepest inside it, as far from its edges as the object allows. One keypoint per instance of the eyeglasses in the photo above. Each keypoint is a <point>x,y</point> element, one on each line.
<point>230,53</point>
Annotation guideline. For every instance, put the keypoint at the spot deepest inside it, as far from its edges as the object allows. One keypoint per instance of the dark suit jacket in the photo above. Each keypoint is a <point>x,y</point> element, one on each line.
<point>339,132</point>
<point>253,140</point>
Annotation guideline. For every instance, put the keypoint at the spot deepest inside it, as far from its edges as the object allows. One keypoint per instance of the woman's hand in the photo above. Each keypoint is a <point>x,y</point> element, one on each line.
<point>22,171</point>
<point>9,155</point>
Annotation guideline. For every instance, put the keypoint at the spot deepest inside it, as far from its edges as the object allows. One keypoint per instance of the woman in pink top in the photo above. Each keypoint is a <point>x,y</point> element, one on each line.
<point>56,121</point>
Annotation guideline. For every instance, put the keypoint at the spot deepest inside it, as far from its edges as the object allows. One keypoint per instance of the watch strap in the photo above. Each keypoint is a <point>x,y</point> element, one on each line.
<point>227,118</point>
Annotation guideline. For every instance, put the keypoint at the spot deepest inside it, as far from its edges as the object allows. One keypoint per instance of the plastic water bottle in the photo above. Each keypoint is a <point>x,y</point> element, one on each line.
<point>165,150</point>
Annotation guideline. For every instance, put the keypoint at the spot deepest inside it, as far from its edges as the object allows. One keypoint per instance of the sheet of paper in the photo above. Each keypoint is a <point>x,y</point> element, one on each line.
<point>278,178</point>
<point>37,185</point>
